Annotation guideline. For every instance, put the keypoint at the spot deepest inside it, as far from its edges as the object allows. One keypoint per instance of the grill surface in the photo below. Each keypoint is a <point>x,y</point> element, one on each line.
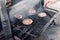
<point>38,25</point>
<point>35,29</point>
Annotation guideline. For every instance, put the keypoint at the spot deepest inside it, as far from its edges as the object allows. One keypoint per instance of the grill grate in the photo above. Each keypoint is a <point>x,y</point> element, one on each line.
<point>35,29</point>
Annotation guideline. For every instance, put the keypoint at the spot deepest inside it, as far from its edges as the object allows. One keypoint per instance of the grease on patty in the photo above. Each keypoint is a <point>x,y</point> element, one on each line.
<point>27,21</point>
<point>43,14</point>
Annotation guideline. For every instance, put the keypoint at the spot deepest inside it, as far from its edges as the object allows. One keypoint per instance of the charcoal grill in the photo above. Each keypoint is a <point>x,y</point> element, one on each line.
<point>38,26</point>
